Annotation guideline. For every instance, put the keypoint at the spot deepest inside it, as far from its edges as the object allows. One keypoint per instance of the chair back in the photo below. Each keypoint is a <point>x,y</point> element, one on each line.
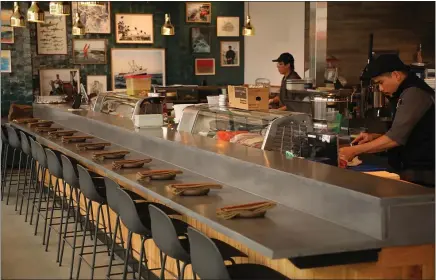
<point>206,259</point>
<point>112,194</point>
<point>165,235</point>
<point>25,146</point>
<point>41,157</point>
<point>53,163</point>
<point>13,139</point>
<point>87,185</point>
<point>68,172</point>
<point>129,215</point>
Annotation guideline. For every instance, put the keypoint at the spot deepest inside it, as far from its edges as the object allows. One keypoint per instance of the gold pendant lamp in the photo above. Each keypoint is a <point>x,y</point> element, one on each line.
<point>59,8</point>
<point>35,14</point>
<point>167,29</point>
<point>17,18</point>
<point>78,27</point>
<point>248,29</point>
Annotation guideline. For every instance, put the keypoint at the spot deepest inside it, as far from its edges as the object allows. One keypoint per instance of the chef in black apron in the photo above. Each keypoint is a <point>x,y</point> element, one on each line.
<point>410,140</point>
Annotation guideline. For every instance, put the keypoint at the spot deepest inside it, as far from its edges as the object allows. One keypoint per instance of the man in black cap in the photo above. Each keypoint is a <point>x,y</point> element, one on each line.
<point>411,139</point>
<point>285,65</point>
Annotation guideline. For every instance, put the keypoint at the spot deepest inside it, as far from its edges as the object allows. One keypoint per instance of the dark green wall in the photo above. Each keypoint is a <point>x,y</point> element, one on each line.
<point>179,57</point>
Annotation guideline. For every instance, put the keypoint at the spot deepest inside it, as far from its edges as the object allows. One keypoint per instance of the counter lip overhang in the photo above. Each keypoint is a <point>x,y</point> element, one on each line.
<point>371,186</point>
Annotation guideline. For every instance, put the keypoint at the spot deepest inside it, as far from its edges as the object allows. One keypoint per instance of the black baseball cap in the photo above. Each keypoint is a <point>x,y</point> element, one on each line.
<point>385,63</point>
<point>286,58</point>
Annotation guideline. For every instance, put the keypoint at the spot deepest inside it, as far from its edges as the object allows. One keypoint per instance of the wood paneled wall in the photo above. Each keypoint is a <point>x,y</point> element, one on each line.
<point>396,26</point>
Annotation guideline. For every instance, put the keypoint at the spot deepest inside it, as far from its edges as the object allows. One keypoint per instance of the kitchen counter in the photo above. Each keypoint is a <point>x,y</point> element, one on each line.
<point>321,209</point>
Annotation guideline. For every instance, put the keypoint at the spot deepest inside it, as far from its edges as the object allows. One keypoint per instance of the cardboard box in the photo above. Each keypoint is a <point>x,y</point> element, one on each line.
<point>246,98</point>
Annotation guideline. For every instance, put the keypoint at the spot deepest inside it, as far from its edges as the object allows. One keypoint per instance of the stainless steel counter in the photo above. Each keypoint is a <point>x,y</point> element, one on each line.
<point>322,209</point>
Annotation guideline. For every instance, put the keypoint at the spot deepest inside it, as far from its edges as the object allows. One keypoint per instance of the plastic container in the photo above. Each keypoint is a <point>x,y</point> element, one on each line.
<point>138,84</point>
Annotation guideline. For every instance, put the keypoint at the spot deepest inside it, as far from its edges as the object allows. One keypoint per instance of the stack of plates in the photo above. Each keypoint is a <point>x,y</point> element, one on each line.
<point>222,100</point>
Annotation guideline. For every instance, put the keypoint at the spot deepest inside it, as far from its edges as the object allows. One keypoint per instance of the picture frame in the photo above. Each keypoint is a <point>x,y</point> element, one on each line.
<point>7,35</point>
<point>230,53</point>
<point>6,63</point>
<point>89,51</point>
<point>6,17</point>
<point>134,28</point>
<point>128,60</point>
<point>96,84</point>
<point>59,82</point>
<point>199,12</point>
<point>227,27</point>
<point>52,35</point>
<point>205,66</point>
<point>97,19</point>
<point>201,40</point>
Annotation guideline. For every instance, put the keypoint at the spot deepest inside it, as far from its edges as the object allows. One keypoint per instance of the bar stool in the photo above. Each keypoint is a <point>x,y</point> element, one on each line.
<point>34,172</point>
<point>171,244</point>
<point>136,218</point>
<point>112,194</point>
<point>15,144</point>
<point>43,167</point>
<point>25,148</point>
<point>208,262</point>
<point>71,180</point>
<point>55,169</point>
<point>95,194</point>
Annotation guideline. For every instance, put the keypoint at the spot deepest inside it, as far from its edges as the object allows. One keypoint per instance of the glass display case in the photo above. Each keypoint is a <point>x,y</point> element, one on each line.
<point>273,130</point>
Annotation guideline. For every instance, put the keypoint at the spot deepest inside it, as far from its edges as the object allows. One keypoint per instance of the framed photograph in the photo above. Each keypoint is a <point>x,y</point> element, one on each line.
<point>58,82</point>
<point>198,12</point>
<point>230,54</point>
<point>89,51</point>
<point>52,35</point>
<point>96,84</point>
<point>6,17</point>
<point>7,35</point>
<point>227,27</point>
<point>200,39</point>
<point>97,19</point>
<point>6,61</point>
<point>204,66</point>
<point>130,60</point>
<point>134,28</point>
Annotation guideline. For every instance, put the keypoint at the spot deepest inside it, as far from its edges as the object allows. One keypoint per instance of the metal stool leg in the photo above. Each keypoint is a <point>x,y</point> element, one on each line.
<point>31,186</point>
<point>126,259</point>
<point>70,204</point>
<point>50,224</point>
<point>82,248</point>
<point>163,264</point>
<point>10,177</point>
<point>37,190</point>
<point>114,240</point>
<point>41,193</point>
<point>5,168</point>
<point>23,193</point>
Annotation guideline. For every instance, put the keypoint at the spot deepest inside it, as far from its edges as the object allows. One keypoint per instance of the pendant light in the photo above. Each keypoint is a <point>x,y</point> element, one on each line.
<point>93,3</point>
<point>78,27</point>
<point>17,18</point>
<point>59,8</point>
<point>248,29</point>
<point>167,29</point>
<point>35,14</point>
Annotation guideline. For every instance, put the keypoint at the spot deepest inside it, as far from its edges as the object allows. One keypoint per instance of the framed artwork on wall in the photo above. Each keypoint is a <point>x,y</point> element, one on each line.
<point>7,35</point>
<point>52,35</point>
<point>58,82</point>
<point>134,28</point>
<point>230,53</point>
<point>200,39</point>
<point>198,12</point>
<point>96,19</point>
<point>6,17</point>
<point>130,60</point>
<point>204,66</point>
<point>6,61</point>
<point>227,27</point>
<point>96,84</point>
<point>89,51</point>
